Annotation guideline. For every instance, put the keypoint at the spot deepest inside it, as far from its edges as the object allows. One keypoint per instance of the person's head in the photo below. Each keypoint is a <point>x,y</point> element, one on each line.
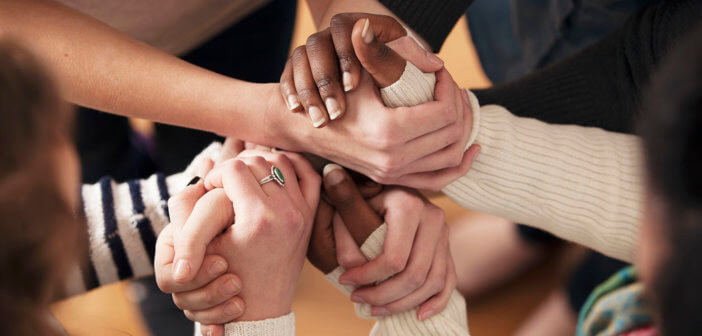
<point>38,192</point>
<point>670,255</point>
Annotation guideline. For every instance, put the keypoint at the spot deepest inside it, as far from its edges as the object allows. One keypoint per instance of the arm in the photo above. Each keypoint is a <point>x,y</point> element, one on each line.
<point>601,85</point>
<point>122,223</point>
<point>102,68</point>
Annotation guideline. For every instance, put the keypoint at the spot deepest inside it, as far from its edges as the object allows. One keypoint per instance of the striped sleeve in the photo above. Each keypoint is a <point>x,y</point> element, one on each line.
<point>123,221</point>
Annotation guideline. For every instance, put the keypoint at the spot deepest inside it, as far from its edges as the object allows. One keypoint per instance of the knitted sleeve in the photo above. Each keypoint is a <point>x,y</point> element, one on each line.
<point>123,221</point>
<point>581,184</point>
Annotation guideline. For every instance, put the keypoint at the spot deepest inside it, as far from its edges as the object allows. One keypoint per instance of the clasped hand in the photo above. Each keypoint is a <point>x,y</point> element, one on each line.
<point>235,249</point>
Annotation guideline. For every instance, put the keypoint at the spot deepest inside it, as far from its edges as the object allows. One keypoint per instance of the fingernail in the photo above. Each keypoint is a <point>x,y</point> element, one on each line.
<point>357,299</point>
<point>333,174</point>
<point>333,108</point>
<point>182,269</point>
<point>347,282</point>
<point>293,102</point>
<point>348,83</point>
<point>230,287</point>
<point>379,311</point>
<point>195,179</point>
<point>367,33</point>
<point>435,59</point>
<point>426,314</point>
<point>316,116</point>
<point>232,309</point>
<point>217,268</point>
<point>208,332</point>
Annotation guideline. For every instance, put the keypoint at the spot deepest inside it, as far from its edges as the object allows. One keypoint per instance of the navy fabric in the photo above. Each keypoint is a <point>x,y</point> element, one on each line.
<point>514,37</point>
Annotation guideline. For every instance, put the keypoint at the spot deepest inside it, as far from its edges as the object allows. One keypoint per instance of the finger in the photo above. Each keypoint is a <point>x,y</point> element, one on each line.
<point>307,178</point>
<point>204,167</point>
<point>422,257</point>
<point>383,63</point>
<point>223,313</point>
<point>410,50</point>
<point>212,213</point>
<point>307,88</point>
<point>360,219</point>
<point>261,165</point>
<point>439,302</point>
<point>322,250</point>
<point>325,71</point>
<point>216,292</point>
<point>437,180</point>
<point>236,178</point>
<point>341,27</point>
<point>213,266</point>
<point>434,284</point>
<point>230,149</point>
<point>370,189</point>
<point>287,88</point>
<point>402,228</point>
<point>212,330</point>
<point>181,204</point>
<point>348,253</point>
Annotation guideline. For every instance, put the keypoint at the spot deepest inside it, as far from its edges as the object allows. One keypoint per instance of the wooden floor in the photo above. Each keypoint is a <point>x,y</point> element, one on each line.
<point>320,308</point>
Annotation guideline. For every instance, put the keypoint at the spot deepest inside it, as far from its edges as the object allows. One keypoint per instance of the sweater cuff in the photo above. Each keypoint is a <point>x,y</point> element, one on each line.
<point>277,326</point>
<point>414,87</point>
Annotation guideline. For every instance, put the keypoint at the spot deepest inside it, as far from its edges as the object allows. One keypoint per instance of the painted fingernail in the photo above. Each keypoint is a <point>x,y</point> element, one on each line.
<point>217,268</point>
<point>379,311</point>
<point>182,269</point>
<point>435,59</point>
<point>367,33</point>
<point>426,314</point>
<point>233,309</point>
<point>333,174</point>
<point>195,179</point>
<point>333,108</point>
<point>348,83</point>
<point>316,116</point>
<point>293,102</point>
<point>230,287</point>
<point>357,299</point>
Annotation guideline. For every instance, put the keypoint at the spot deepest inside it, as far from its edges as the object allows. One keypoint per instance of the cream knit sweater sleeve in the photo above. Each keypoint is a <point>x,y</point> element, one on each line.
<point>581,184</point>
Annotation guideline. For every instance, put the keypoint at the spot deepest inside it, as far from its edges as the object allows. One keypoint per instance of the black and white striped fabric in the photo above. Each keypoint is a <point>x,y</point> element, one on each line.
<point>123,221</point>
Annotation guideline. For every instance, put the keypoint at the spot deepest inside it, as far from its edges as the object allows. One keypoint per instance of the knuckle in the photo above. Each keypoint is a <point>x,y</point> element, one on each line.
<point>178,301</point>
<point>325,85</point>
<point>339,20</point>
<point>415,280</point>
<point>164,286</point>
<point>314,40</point>
<point>299,53</point>
<point>188,314</point>
<point>395,263</point>
<point>436,285</point>
<point>307,94</point>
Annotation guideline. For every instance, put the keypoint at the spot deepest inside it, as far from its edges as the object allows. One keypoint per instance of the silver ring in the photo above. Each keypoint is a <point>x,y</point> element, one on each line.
<point>276,175</point>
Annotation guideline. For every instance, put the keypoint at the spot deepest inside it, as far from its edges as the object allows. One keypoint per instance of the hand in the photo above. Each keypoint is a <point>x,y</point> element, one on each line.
<point>415,227</point>
<point>270,231</point>
<point>312,81</point>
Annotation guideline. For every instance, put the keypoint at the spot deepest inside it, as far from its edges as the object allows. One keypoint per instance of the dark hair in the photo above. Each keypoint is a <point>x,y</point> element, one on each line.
<point>39,230</point>
<point>671,128</point>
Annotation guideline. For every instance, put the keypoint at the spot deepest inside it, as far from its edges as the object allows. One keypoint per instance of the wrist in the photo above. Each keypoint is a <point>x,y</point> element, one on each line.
<point>281,127</point>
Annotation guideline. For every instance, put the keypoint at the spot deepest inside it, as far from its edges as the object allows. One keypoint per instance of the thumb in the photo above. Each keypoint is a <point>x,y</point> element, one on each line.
<point>383,63</point>
<point>360,219</point>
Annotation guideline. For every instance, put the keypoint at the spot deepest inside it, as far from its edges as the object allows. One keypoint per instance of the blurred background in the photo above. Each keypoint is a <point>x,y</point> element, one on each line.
<point>320,308</point>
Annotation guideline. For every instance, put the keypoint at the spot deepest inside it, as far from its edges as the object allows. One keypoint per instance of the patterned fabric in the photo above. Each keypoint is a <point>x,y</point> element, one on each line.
<point>617,307</point>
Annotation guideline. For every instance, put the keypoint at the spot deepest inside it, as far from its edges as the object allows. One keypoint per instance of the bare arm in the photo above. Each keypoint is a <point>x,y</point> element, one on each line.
<point>102,68</point>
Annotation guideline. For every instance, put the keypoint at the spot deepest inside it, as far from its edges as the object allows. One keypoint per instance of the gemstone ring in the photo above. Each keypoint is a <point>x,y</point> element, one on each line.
<point>276,175</point>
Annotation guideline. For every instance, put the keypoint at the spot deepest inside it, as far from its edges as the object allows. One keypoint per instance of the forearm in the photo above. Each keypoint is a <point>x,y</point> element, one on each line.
<point>581,184</point>
<point>122,222</point>
<point>451,321</point>
<point>102,68</point>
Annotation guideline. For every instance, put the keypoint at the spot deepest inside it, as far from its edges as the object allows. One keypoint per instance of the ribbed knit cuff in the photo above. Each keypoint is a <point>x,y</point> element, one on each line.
<point>414,87</point>
<point>278,326</point>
